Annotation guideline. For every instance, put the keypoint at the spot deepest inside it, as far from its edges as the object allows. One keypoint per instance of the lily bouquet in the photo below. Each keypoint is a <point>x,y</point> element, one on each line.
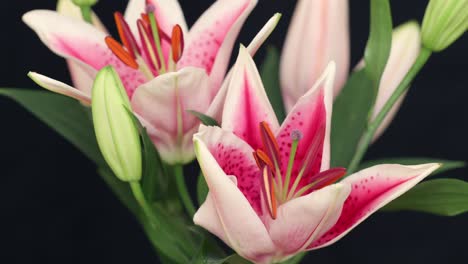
<point>279,150</point>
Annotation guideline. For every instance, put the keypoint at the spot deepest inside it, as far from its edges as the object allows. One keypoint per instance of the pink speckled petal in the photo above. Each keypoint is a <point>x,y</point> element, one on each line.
<point>318,33</point>
<point>244,230</point>
<point>216,108</point>
<point>59,87</point>
<point>164,101</point>
<point>235,157</point>
<point>81,42</point>
<point>373,188</point>
<point>211,39</point>
<point>300,220</point>
<point>247,103</point>
<point>312,117</point>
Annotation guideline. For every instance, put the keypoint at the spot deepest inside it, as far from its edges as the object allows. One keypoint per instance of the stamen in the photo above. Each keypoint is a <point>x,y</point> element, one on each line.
<point>126,35</point>
<point>269,142</point>
<point>157,40</point>
<point>262,159</point>
<point>309,159</point>
<point>121,53</point>
<point>296,135</point>
<point>322,179</point>
<point>148,45</point>
<point>272,150</point>
<point>269,192</point>
<point>177,43</point>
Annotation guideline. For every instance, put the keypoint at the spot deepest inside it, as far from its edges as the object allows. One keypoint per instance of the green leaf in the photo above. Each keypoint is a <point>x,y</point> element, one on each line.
<point>446,197</point>
<point>202,189</point>
<point>446,164</point>
<point>269,70</point>
<point>64,115</point>
<point>350,117</point>
<point>296,259</point>
<point>204,119</point>
<point>379,41</point>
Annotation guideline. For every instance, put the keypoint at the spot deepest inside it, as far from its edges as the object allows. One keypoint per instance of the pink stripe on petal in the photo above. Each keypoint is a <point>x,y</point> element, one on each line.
<point>246,103</point>
<point>235,157</point>
<point>75,39</point>
<point>312,117</point>
<point>371,189</point>
<point>309,120</point>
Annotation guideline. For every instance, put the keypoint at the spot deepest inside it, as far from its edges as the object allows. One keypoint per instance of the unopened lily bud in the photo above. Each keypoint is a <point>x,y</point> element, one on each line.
<point>444,22</point>
<point>116,132</point>
<point>85,2</point>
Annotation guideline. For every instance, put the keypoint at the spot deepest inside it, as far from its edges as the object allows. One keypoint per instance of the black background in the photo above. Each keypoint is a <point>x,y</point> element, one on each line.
<point>54,208</point>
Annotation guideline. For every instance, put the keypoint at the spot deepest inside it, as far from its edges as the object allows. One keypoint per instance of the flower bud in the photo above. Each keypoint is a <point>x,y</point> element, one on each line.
<point>84,2</point>
<point>444,22</point>
<point>116,132</point>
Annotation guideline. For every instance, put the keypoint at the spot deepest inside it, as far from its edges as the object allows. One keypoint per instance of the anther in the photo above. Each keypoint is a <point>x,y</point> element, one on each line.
<point>177,43</point>
<point>126,35</point>
<point>121,53</point>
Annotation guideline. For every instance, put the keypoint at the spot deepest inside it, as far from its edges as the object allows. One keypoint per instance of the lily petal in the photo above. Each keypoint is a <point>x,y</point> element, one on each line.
<point>77,40</point>
<point>164,101</point>
<point>211,39</point>
<point>207,217</point>
<point>59,87</point>
<point>247,103</point>
<point>318,33</point>
<point>300,220</point>
<point>406,43</point>
<point>81,80</point>
<point>235,157</point>
<point>373,188</point>
<point>216,108</point>
<point>243,228</point>
<point>167,12</point>
<point>311,116</point>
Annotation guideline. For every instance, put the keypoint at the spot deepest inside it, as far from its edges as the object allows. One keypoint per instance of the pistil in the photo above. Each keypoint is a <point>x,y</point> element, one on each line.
<point>296,135</point>
<point>156,37</point>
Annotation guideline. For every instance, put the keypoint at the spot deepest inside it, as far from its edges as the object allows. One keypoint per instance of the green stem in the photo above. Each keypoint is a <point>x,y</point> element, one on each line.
<point>86,13</point>
<point>182,188</point>
<point>140,198</point>
<point>422,58</point>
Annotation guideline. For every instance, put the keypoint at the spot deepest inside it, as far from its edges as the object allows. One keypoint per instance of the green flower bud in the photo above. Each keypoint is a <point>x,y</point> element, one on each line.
<point>116,132</point>
<point>444,22</point>
<point>84,2</point>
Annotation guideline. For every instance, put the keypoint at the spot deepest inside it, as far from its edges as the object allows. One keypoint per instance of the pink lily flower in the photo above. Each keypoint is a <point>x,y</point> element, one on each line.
<point>319,33</point>
<point>272,191</point>
<point>166,69</point>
